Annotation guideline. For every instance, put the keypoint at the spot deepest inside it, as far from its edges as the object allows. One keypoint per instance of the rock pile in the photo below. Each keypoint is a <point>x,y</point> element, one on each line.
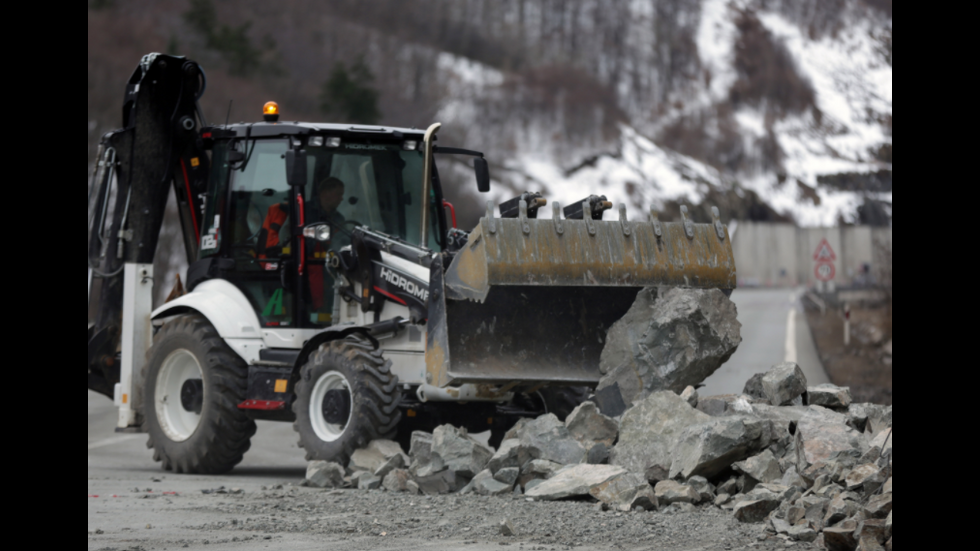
<point>804,460</point>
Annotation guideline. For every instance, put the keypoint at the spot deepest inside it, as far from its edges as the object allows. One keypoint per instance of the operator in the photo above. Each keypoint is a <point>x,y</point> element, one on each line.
<point>328,194</point>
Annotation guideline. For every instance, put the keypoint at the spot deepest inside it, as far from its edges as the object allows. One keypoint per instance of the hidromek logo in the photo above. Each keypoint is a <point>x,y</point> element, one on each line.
<point>409,287</point>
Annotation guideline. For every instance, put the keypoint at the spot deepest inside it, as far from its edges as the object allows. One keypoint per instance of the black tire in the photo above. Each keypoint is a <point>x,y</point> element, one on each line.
<point>561,400</point>
<point>223,432</point>
<point>372,393</point>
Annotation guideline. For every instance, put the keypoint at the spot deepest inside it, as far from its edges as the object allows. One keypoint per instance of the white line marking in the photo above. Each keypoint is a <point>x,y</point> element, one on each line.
<point>791,336</point>
<point>112,440</point>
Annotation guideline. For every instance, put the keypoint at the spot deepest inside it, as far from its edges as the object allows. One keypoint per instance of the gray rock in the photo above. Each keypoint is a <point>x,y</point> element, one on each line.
<point>624,492</point>
<point>722,499</point>
<point>857,416</point>
<point>883,441</point>
<point>484,484</point>
<point>755,510</point>
<point>442,482</point>
<point>507,528</point>
<point>679,507</point>
<point>801,533</point>
<point>368,482</point>
<point>763,467</point>
<point>509,454</point>
<point>547,438</point>
<point>792,478</point>
<point>507,475</point>
<point>729,486</point>
<point>875,529</point>
<point>598,454</point>
<point>420,445</point>
<point>828,395</point>
<point>573,480</point>
<point>647,432</point>
<point>393,462</point>
<point>887,487</point>
<point>839,539</point>
<point>704,488</point>
<point>840,508</point>
<point>670,338</point>
<point>423,463</point>
<point>356,477</point>
<point>459,452</point>
<point>532,483</point>
<point>670,491</point>
<point>794,514</point>
<point>717,406</point>
<point>396,481</point>
<point>514,432</point>
<point>709,448</point>
<point>656,473</point>
<point>821,433</point>
<point>888,525</point>
<point>586,424</point>
<point>784,383</point>
<point>690,395</point>
<point>879,506</point>
<point>865,478</point>
<point>868,543</point>
<point>372,456</point>
<point>879,418</point>
<point>541,468</point>
<point>324,474</point>
<point>412,487</point>
<point>753,387</point>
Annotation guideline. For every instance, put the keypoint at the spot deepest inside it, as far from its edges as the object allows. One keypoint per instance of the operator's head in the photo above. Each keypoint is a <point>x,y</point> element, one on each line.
<point>330,193</point>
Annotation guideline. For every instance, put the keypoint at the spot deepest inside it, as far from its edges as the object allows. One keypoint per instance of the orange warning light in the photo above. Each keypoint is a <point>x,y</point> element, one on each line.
<point>270,111</point>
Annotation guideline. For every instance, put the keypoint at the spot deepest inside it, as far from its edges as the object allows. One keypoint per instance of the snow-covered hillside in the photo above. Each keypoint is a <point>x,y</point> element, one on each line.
<point>848,69</point>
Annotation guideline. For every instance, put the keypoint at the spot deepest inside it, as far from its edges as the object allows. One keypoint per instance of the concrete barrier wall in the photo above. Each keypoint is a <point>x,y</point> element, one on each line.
<point>781,255</point>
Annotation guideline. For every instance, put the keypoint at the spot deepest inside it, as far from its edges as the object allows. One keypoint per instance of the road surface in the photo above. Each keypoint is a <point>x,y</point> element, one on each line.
<point>774,330</point>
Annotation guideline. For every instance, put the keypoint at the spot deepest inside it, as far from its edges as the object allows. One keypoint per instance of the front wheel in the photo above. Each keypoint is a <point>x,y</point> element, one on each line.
<point>193,384</point>
<point>346,397</point>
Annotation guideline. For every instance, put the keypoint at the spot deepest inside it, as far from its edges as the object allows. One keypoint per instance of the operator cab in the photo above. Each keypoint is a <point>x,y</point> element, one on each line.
<point>356,176</point>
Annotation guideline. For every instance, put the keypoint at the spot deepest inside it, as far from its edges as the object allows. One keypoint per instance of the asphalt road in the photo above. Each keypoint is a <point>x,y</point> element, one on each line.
<point>133,504</point>
<point>774,330</point>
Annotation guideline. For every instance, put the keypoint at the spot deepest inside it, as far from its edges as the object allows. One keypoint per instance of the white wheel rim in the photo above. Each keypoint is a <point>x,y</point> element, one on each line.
<point>330,380</point>
<point>177,423</point>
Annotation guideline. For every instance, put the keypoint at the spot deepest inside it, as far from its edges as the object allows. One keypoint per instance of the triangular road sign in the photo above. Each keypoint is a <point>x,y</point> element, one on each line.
<point>824,253</point>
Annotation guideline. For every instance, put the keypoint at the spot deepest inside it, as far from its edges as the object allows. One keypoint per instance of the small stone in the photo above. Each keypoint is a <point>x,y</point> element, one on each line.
<point>372,456</point>
<point>795,514</point>
<point>656,473</point>
<point>507,528</point>
<point>784,383</point>
<point>729,486</point>
<point>548,438</point>
<point>763,467</point>
<point>802,533</point>
<point>704,488</point>
<point>484,484</point>
<point>839,508</point>
<point>412,487</point>
<point>753,387</point>
<point>721,499</point>
<point>792,478</point>
<point>875,529</point>
<point>509,454</point>
<point>368,481</point>
<point>865,478</point>
<point>755,510</point>
<point>394,462</point>
<point>880,506</point>
<point>887,486</point>
<point>839,538</point>
<point>669,492</point>
<point>442,482</point>
<point>598,454</point>
<point>828,395</point>
<point>867,543</point>
<point>507,475</point>
<point>396,481</point>
<point>857,416</point>
<point>586,424</point>
<point>624,492</point>
<point>458,451</point>
<point>574,480</point>
<point>324,474</point>
<point>690,395</point>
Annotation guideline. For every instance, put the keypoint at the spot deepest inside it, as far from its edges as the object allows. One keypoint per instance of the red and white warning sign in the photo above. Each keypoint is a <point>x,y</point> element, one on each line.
<point>824,253</point>
<point>825,257</point>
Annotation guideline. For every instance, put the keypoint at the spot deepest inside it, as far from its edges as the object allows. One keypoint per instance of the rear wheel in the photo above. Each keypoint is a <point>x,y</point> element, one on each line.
<point>346,397</point>
<point>193,384</point>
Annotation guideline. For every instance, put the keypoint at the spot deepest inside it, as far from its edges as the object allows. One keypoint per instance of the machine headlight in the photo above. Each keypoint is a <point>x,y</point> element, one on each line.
<point>316,141</point>
<point>333,141</point>
<point>410,145</point>
<point>320,232</point>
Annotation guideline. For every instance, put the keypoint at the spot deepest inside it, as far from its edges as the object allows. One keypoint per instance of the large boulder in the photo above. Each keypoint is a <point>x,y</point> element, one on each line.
<point>575,480</point>
<point>784,383</point>
<point>670,338</point>
<point>709,448</point>
<point>647,431</point>
<point>375,454</point>
<point>548,438</point>
<point>587,425</point>
<point>459,452</point>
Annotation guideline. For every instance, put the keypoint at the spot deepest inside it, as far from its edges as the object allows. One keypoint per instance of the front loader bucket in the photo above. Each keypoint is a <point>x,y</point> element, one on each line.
<point>529,301</point>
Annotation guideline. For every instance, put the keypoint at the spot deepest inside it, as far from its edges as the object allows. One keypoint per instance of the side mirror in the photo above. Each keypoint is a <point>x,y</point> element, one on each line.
<point>482,174</point>
<point>296,167</point>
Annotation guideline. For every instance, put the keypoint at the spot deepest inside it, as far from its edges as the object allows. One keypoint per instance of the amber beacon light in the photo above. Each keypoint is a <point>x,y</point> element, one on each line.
<point>270,111</point>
